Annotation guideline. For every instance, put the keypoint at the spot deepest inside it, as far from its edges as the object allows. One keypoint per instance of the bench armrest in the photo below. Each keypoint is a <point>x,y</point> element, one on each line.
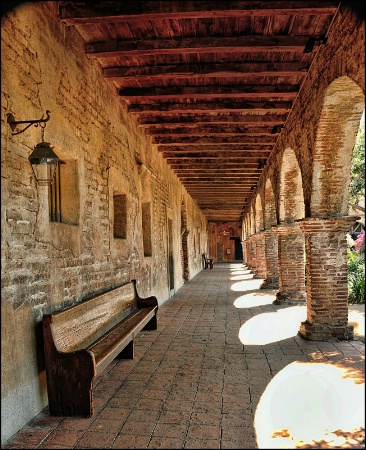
<point>148,301</point>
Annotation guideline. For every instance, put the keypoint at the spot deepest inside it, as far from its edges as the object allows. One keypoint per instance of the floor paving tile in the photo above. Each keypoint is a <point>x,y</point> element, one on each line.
<point>195,382</point>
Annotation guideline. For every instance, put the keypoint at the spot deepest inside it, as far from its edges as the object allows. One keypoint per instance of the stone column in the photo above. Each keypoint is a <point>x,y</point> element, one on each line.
<point>271,257</point>
<point>326,278</point>
<point>260,256</point>
<point>250,253</point>
<point>253,262</point>
<point>291,264</point>
<point>246,253</point>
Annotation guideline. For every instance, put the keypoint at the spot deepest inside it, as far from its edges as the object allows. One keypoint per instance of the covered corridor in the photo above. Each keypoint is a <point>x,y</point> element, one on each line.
<point>225,369</point>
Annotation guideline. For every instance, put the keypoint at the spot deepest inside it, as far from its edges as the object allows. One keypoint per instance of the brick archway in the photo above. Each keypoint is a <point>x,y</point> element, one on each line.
<point>270,214</point>
<point>335,138</point>
<point>259,219</point>
<point>292,205</point>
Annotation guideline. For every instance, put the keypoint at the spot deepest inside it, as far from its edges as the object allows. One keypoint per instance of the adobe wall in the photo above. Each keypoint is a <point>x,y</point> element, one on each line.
<point>47,265</point>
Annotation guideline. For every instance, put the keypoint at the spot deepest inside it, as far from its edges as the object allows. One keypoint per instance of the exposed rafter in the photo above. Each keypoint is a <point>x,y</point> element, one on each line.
<point>211,83</point>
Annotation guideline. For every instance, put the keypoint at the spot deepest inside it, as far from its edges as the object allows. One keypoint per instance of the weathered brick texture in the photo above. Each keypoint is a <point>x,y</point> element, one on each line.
<point>291,262</point>
<point>326,278</point>
<point>271,259</point>
<point>259,255</point>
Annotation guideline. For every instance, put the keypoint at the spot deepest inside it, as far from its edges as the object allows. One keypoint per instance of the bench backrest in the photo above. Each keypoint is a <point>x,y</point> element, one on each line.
<point>78,326</point>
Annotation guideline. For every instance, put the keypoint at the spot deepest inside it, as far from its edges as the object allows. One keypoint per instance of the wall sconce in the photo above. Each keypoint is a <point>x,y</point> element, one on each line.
<point>309,47</point>
<point>43,159</point>
<point>277,129</point>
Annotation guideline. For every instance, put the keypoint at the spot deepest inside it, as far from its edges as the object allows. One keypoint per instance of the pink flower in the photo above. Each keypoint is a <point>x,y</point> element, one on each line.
<point>360,243</point>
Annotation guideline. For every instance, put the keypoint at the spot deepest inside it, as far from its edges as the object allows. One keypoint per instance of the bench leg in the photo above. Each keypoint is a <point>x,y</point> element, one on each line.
<point>127,352</point>
<point>69,384</point>
<point>152,324</point>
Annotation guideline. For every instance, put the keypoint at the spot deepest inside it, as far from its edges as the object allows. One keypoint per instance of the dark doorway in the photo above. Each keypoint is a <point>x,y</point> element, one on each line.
<point>238,249</point>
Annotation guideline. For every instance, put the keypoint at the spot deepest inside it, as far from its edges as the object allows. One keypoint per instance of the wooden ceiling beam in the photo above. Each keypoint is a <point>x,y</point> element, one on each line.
<point>213,177</point>
<point>212,172</point>
<point>251,157</point>
<point>210,162</point>
<point>219,191</point>
<point>197,119</point>
<point>83,12</point>
<point>203,130</point>
<point>218,186</point>
<point>241,159</point>
<point>200,45</point>
<point>210,139</point>
<point>250,91</point>
<point>232,203</point>
<point>205,71</point>
<point>262,152</point>
<point>220,106</point>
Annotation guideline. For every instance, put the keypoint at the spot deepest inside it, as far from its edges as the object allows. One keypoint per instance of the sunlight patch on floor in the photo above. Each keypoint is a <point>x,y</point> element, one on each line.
<point>247,276</point>
<point>247,285</point>
<point>357,319</point>
<point>272,327</point>
<point>310,405</point>
<point>255,299</point>
<point>240,272</point>
<point>237,266</point>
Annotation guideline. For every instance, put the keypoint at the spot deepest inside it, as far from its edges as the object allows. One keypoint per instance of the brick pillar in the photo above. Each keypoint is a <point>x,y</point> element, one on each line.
<point>253,263</point>
<point>260,256</point>
<point>291,264</point>
<point>326,278</point>
<point>271,255</point>
<point>250,253</point>
<point>245,256</point>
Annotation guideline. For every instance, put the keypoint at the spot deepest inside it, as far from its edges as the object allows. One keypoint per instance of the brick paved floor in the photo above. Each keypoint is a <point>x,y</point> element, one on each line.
<point>225,369</point>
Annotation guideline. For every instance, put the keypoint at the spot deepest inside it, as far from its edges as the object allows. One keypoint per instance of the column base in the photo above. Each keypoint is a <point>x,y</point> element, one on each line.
<point>269,284</point>
<point>326,332</point>
<point>293,298</point>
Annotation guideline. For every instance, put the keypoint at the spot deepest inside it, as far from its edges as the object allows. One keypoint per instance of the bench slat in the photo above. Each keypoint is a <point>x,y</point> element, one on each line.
<point>77,327</point>
<point>110,345</point>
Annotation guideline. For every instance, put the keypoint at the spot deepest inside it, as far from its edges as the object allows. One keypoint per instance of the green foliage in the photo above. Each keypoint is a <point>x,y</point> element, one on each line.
<point>357,184</point>
<point>356,274</point>
<point>356,249</point>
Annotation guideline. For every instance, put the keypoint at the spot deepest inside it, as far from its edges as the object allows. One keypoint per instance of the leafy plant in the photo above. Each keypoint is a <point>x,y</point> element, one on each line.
<point>356,288</point>
<point>356,249</point>
<point>356,270</point>
<point>357,185</point>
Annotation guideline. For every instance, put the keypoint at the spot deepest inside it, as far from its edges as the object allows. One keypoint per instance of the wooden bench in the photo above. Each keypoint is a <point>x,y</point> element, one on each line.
<point>207,261</point>
<point>81,341</point>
